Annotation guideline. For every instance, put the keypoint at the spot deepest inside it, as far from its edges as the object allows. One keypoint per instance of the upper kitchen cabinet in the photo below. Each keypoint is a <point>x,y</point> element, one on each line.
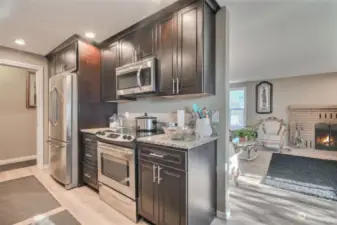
<point>167,53</point>
<point>137,45</point>
<point>110,60</point>
<point>128,49</point>
<point>192,63</point>
<point>65,59</point>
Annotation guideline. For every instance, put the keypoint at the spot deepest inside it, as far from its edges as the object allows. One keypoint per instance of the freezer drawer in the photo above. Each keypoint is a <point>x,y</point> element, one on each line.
<point>60,161</point>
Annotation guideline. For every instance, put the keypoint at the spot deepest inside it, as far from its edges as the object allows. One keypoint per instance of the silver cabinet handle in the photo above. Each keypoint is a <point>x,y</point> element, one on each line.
<point>178,86</point>
<point>87,175</point>
<point>88,140</point>
<point>173,86</point>
<point>157,155</point>
<point>88,155</point>
<point>159,178</point>
<point>154,167</point>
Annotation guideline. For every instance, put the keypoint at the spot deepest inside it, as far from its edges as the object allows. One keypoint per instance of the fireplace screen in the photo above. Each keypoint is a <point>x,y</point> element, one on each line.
<point>326,136</point>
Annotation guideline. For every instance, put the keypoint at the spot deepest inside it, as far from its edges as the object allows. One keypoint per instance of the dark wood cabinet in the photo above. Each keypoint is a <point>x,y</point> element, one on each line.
<point>170,179</point>
<point>137,45</point>
<point>110,61</point>
<point>148,205</point>
<point>182,38</point>
<point>187,51</point>
<point>88,160</point>
<point>167,53</point>
<point>65,59</point>
<point>145,42</point>
<point>127,49</point>
<point>172,196</point>
<point>190,49</point>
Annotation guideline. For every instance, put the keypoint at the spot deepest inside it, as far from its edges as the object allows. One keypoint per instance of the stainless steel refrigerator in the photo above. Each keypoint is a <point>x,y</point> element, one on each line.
<point>63,129</point>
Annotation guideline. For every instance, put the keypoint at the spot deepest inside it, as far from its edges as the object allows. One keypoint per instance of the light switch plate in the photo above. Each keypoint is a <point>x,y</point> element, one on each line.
<point>216,116</point>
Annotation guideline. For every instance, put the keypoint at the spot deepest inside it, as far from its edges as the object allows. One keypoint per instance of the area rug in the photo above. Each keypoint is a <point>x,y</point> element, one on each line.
<point>23,198</point>
<point>304,175</point>
<point>61,218</point>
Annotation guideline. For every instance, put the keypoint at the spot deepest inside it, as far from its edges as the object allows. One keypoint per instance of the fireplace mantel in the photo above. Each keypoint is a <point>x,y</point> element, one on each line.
<point>312,107</point>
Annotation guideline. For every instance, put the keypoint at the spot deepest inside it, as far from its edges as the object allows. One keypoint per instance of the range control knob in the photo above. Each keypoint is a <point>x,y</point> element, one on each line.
<point>129,137</point>
<point>125,137</point>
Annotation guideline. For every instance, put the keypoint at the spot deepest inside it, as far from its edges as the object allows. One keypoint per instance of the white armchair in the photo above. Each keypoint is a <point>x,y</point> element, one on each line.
<point>271,132</point>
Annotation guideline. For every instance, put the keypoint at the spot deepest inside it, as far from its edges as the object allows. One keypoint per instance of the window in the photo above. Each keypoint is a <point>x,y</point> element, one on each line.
<point>237,108</point>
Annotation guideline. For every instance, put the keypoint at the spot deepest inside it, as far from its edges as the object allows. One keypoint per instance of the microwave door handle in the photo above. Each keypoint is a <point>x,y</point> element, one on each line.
<point>138,76</point>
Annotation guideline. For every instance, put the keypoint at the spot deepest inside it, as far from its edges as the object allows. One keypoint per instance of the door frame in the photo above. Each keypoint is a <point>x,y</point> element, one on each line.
<point>39,104</point>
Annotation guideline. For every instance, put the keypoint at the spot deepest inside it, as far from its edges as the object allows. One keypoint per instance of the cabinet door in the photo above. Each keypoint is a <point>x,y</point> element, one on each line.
<point>172,196</point>
<point>59,63</point>
<point>70,57</point>
<point>190,49</point>
<point>108,73</point>
<point>127,49</point>
<point>167,55</point>
<point>147,187</point>
<point>146,41</point>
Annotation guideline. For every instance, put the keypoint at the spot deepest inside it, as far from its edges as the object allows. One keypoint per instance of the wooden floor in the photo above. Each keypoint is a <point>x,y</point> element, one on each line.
<point>83,203</point>
<point>255,203</point>
<point>251,203</point>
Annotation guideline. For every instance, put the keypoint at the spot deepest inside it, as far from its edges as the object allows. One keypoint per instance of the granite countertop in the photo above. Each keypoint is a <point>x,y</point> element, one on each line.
<point>94,130</point>
<point>164,140</point>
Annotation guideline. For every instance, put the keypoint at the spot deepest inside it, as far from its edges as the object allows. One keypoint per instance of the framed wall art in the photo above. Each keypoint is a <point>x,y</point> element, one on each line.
<point>264,97</point>
<point>31,90</point>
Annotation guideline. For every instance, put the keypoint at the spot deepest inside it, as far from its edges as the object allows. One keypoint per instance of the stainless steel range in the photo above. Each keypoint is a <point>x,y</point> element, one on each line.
<point>117,171</point>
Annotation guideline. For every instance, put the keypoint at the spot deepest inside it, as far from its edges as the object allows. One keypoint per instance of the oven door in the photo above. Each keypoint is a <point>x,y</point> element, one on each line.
<point>116,168</point>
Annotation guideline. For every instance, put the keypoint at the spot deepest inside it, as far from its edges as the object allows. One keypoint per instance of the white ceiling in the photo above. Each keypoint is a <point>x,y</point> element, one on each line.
<point>44,24</point>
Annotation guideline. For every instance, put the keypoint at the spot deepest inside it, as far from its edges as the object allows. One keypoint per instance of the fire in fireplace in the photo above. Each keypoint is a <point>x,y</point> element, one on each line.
<point>326,136</point>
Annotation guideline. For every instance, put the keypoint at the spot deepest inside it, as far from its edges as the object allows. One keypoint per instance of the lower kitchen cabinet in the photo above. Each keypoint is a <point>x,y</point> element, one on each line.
<point>148,203</point>
<point>173,182</point>
<point>88,153</point>
<point>172,196</point>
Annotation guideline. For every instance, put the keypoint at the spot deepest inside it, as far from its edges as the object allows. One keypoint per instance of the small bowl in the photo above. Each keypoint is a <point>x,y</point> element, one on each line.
<point>174,133</point>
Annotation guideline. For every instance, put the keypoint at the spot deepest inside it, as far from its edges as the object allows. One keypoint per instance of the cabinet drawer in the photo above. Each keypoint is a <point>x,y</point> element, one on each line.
<point>89,139</point>
<point>90,175</point>
<point>90,157</point>
<point>162,155</point>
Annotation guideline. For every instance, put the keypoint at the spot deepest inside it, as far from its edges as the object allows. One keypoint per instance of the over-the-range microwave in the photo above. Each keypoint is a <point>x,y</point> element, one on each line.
<point>136,78</point>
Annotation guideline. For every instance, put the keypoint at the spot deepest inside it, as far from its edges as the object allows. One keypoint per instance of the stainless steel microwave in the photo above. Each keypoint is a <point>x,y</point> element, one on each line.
<point>136,78</point>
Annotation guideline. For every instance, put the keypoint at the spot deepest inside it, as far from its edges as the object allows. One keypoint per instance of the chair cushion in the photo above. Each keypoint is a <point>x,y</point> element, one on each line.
<point>272,127</point>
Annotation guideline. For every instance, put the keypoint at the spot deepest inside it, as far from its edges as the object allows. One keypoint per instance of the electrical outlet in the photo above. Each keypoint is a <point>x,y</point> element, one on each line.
<point>216,116</point>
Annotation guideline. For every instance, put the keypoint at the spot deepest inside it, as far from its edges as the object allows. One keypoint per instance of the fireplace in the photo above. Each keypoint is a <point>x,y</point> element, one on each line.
<point>326,136</point>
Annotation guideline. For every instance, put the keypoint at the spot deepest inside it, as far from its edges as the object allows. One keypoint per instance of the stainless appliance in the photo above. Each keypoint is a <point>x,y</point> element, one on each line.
<point>146,123</point>
<point>63,139</point>
<point>116,171</point>
<point>136,78</point>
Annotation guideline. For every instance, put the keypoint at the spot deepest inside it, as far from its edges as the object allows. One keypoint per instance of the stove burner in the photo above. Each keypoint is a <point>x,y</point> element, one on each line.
<point>113,136</point>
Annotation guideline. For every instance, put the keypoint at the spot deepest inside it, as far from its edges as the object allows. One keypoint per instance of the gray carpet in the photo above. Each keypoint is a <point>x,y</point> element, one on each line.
<point>304,175</point>
<point>23,198</point>
<point>61,218</point>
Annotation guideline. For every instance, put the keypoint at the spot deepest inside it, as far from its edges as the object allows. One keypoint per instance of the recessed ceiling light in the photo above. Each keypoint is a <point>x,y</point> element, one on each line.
<point>20,41</point>
<point>90,35</point>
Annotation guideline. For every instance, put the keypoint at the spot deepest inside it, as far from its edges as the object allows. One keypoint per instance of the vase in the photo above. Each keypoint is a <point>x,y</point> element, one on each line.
<point>203,127</point>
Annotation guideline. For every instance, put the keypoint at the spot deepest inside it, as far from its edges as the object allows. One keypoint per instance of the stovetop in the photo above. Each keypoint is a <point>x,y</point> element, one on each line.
<point>123,136</point>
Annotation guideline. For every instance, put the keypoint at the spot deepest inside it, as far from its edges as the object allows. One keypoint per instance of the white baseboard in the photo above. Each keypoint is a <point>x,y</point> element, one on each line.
<point>16,160</point>
<point>223,215</point>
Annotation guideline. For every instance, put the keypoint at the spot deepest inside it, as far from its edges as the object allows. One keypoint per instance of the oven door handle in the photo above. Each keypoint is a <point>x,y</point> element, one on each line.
<point>138,76</point>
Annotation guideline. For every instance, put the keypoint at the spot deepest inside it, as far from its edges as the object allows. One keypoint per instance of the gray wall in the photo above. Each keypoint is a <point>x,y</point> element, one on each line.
<point>317,89</point>
<point>214,102</point>
<point>24,57</point>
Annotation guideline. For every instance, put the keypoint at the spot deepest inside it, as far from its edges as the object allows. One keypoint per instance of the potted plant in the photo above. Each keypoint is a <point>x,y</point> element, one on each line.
<point>245,134</point>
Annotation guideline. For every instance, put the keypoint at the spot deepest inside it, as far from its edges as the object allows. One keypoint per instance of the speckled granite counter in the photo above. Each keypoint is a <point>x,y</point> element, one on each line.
<point>94,130</point>
<point>164,140</point>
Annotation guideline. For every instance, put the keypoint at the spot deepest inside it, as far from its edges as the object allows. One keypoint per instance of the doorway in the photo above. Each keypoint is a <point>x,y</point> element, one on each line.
<point>39,134</point>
